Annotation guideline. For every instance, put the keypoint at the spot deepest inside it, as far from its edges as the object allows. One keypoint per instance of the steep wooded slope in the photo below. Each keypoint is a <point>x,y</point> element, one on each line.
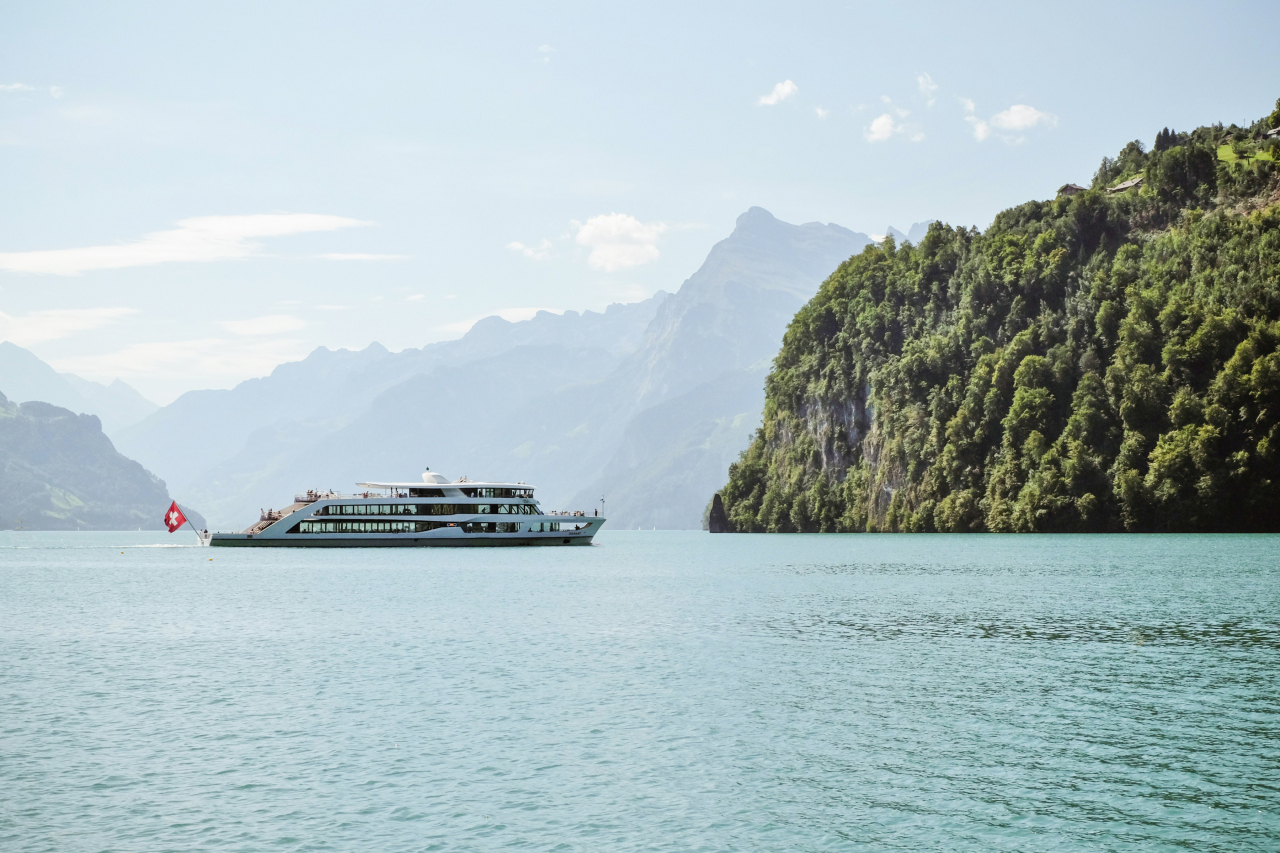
<point>1106,361</point>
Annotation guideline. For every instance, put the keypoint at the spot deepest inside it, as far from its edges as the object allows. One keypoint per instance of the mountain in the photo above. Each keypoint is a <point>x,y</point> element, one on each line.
<point>458,421</point>
<point>670,455</point>
<point>231,450</point>
<point>1104,361</point>
<point>644,403</point>
<point>733,310</point>
<point>23,376</point>
<point>915,234</point>
<point>918,231</point>
<point>693,393</point>
<point>59,472</point>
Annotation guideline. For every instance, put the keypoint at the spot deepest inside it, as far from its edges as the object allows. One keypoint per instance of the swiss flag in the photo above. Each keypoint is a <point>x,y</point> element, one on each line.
<point>174,518</point>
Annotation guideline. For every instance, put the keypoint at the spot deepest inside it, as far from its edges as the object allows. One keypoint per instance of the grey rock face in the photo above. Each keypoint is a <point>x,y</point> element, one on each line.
<point>718,522</point>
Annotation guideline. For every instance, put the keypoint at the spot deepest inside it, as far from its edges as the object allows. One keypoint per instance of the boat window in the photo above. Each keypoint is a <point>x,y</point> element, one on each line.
<point>496,492</point>
<point>311,526</point>
<point>404,509</point>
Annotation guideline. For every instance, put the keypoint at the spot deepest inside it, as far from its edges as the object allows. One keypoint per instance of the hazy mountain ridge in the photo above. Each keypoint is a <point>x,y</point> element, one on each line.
<point>669,453</point>
<point>58,471</point>
<point>434,419</point>
<point>202,431</point>
<point>734,309</point>
<point>558,401</point>
<point>25,377</point>
<point>914,234</point>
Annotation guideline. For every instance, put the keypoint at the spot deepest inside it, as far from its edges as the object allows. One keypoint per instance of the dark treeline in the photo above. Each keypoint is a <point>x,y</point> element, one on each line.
<point>1099,362</point>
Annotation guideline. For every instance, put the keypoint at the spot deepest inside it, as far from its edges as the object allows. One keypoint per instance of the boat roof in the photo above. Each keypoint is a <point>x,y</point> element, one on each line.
<point>435,478</point>
<point>457,483</point>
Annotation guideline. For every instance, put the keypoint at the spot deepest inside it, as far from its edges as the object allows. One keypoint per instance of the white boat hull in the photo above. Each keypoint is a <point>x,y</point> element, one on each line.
<point>401,540</point>
<point>435,514</point>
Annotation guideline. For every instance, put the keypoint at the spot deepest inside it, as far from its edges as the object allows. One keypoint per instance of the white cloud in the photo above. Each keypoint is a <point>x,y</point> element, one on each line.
<point>182,359</point>
<point>927,87</point>
<point>618,241</point>
<point>546,48</point>
<point>415,297</point>
<point>55,91</point>
<point>340,256</point>
<point>1022,117</point>
<point>981,130</point>
<point>881,128</point>
<point>52,325</point>
<point>1017,118</point>
<point>200,239</point>
<point>332,307</point>
<point>16,87</point>
<point>821,112</point>
<point>270,325</point>
<point>781,92</point>
<point>885,126</point>
<point>540,252</point>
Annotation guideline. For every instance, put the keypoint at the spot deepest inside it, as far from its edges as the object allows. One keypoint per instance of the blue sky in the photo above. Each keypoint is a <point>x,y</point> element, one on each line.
<point>193,194</point>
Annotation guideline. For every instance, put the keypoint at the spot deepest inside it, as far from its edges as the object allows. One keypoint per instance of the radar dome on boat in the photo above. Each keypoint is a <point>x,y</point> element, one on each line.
<point>433,477</point>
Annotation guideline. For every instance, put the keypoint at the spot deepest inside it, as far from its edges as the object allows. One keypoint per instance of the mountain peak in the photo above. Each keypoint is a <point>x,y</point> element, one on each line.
<point>755,217</point>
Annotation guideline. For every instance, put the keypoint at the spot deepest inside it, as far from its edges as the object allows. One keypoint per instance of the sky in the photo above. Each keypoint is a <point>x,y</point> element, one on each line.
<point>194,193</point>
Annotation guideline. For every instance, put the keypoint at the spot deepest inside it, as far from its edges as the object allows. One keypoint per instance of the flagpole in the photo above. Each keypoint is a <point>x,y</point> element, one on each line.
<point>199,538</point>
<point>185,520</point>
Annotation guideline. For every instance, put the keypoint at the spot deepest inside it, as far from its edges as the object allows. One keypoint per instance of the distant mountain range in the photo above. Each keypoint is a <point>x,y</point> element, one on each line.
<point>645,404</point>
<point>23,377</point>
<point>59,472</point>
<point>914,234</point>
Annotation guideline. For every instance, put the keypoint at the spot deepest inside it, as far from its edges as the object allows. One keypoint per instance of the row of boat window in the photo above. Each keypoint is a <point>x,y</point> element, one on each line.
<point>427,509</point>
<point>421,526</point>
<point>473,492</point>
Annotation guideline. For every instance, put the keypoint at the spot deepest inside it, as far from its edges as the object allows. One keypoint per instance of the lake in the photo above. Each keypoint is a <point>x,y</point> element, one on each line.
<point>659,691</point>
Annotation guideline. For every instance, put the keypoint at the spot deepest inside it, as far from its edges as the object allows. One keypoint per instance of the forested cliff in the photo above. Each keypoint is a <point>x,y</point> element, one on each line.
<point>1104,361</point>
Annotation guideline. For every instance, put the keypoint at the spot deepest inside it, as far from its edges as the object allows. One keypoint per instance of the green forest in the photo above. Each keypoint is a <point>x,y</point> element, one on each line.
<point>1104,361</point>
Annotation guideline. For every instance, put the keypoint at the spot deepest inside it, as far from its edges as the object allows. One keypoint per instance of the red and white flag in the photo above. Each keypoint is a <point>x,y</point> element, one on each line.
<point>174,518</point>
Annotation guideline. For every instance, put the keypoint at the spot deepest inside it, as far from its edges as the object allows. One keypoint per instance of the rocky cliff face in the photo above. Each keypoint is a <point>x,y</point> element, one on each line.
<point>59,472</point>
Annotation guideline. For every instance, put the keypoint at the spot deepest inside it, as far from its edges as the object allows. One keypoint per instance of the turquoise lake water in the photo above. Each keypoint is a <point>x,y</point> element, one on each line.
<point>659,691</point>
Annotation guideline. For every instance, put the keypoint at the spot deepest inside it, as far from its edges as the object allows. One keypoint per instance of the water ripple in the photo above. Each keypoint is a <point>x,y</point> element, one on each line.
<point>656,692</point>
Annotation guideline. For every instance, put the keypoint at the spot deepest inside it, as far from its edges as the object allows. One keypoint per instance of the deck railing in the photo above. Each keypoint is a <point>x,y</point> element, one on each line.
<point>313,496</point>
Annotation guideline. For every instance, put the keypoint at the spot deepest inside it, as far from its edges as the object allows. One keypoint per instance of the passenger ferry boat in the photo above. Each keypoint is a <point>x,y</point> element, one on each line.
<point>434,512</point>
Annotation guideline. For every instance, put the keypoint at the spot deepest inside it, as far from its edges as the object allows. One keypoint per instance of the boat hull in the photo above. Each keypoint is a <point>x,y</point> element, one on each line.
<point>245,540</point>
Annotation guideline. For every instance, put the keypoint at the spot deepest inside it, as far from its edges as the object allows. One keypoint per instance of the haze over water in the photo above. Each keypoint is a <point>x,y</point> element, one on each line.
<point>658,691</point>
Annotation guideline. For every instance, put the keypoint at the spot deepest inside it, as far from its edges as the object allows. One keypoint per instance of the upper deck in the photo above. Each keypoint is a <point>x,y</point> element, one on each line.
<point>432,486</point>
